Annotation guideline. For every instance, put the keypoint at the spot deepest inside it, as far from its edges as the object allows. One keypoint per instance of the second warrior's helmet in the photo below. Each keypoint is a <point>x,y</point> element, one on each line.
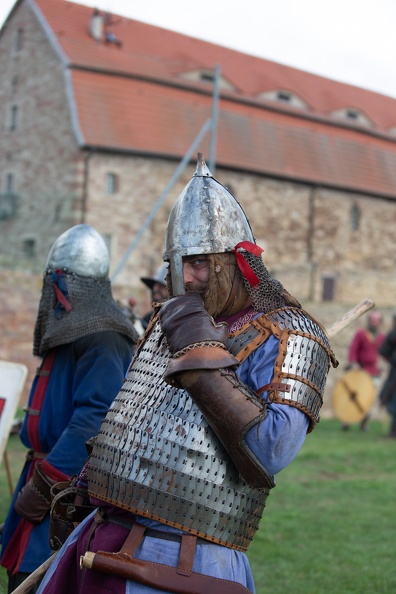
<point>76,297</point>
<point>80,250</point>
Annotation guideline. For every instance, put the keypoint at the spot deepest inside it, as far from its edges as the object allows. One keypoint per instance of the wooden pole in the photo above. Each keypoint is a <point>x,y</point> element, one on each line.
<point>35,577</point>
<point>8,471</point>
<point>349,317</point>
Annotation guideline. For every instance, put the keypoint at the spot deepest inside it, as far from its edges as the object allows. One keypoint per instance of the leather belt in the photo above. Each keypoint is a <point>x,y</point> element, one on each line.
<point>161,534</point>
<point>178,580</point>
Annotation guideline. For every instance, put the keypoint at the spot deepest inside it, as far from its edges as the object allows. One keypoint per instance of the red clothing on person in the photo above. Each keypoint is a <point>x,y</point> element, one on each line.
<point>364,350</point>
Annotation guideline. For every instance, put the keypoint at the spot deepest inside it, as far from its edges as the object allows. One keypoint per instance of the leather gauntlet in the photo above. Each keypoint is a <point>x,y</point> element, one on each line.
<point>34,500</point>
<point>231,409</point>
<point>195,341</point>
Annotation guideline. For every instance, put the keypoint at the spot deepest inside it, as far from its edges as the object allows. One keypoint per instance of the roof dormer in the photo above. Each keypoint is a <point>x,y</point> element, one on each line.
<point>351,115</point>
<point>283,96</point>
<point>205,75</point>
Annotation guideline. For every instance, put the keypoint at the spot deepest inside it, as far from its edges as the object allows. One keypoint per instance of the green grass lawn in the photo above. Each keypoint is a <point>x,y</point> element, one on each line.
<point>330,523</point>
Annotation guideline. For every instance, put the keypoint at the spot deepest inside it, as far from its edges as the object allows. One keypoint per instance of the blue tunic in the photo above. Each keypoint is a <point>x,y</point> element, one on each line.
<point>85,378</point>
<point>277,442</point>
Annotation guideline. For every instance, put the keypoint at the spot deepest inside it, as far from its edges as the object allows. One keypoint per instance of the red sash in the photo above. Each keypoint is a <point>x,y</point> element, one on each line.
<point>16,548</point>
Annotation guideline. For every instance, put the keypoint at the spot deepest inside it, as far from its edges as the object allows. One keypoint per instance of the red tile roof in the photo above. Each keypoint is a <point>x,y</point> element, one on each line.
<point>134,98</point>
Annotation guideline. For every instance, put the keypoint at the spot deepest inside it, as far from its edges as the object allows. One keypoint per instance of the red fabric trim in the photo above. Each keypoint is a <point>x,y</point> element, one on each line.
<point>250,247</point>
<point>38,399</point>
<point>16,548</point>
<point>62,299</point>
<point>242,264</point>
<point>52,472</point>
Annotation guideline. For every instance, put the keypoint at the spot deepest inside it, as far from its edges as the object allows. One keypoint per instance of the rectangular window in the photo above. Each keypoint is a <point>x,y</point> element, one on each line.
<point>9,183</point>
<point>283,96</point>
<point>328,288</point>
<point>352,114</point>
<point>29,248</point>
<point>14,117</point>
<point>207,76</point>
<point>18,40</point>
<point>111,183</point>
<point>355,217</point>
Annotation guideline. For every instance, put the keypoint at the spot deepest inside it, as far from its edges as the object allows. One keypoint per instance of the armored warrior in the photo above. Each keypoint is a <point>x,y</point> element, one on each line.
<point>86,344</point>
<point>220,395</point>
<point>158,289</point>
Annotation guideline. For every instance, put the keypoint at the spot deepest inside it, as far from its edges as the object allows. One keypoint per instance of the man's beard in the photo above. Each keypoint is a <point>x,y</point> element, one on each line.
<point>200,288</point>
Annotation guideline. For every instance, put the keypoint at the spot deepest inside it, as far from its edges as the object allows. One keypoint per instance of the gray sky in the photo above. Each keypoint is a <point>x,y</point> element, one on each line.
<point>353,41</point>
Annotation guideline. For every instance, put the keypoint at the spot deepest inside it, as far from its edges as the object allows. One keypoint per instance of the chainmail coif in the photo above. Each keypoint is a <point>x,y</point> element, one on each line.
<point>269,294</point>
<point>93,310</point>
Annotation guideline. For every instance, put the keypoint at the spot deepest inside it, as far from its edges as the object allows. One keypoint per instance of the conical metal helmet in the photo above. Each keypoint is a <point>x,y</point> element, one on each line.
<point>82,250</point>
<point>159,277</point>
<point>206,219</point>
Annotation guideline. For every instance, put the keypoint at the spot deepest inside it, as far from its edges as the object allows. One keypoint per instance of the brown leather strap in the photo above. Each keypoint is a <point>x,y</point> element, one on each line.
<point>158,576</point>
<point>42,372</point>
<point>187,554</point>
<point>274,386</point>
<point>133,539</point>
<point>31,411</point>
<point>32,455</point>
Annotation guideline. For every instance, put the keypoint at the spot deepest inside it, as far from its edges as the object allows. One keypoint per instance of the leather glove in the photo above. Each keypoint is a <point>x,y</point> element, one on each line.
<point>185,321</point>
<point>34,500</point>
<point>194,339</point>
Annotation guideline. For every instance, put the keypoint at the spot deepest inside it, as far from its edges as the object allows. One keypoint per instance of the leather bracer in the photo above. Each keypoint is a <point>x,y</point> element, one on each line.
<point>34,500</point>
<point>231,409</point>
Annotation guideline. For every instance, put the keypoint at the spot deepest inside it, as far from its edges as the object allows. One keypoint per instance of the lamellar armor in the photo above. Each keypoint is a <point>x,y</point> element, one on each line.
<point>158,457</point>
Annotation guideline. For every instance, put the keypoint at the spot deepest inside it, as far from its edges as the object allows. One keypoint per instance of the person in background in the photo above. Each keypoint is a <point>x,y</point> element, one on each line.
<point>387,396</point>
<point>129,311</point>
<point>85,344</point>
<point>363,353</point>
<point>216,402</point>
<point>158,287</point>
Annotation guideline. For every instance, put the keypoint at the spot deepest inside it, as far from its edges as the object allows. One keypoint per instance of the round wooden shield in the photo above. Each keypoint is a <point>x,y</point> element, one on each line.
<point>353,396</point>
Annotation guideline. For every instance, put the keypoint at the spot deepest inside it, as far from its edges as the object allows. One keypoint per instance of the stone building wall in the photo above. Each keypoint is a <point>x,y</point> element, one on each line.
<point>306,232</point>
<point>41,152</point>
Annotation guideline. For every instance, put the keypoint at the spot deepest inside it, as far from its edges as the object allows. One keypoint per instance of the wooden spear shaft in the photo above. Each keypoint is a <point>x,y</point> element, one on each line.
<point>35,577</point>
<point>349,317</point>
